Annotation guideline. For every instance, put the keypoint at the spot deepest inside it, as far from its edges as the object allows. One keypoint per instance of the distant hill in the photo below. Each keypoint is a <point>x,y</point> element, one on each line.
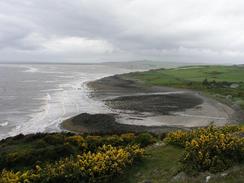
<point>147,64</point>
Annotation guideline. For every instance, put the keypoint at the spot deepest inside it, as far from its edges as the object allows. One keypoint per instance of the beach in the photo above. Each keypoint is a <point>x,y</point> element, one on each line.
<point>144,107</point>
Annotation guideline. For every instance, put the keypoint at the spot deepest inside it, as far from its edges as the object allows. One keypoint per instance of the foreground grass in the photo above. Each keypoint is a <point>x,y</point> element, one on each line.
<point>211,154</point>
<point>159,165</point>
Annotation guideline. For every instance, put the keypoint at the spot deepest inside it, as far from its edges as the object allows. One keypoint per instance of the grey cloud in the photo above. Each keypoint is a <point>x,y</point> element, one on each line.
<point>174,30</point>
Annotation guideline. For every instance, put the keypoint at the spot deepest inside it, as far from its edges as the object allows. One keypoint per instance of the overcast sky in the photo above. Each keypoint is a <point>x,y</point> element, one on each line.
<point>122,30</point>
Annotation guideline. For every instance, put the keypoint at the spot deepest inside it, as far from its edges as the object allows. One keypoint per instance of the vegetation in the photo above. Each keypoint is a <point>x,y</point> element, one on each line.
<point>87,167</point>
<point>224,82</point>
<point>66,157</point>
<point>213,149</point>
<point>165,163</point>
<point>159,164</point>
<point>180,156</point>
<point>99,158</point>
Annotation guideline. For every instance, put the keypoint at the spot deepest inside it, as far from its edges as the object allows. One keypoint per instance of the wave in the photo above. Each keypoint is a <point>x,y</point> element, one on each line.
<point>70,98</point>
<point>48,97</point>
<point>31,69</point>
<point>3,124</point>
<point>51,90</point>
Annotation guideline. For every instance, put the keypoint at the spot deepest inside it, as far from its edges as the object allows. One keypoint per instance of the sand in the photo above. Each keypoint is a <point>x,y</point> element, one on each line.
<point>139,104</point>
<point>136,107</point>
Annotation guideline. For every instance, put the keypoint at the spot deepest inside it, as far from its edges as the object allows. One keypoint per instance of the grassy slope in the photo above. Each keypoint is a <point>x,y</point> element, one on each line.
<point>161,165</point>
<point>162,162</point>
<point>192,78</point>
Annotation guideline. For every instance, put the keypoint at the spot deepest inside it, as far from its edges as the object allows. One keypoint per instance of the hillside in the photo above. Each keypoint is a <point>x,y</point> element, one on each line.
<point>201,155</point>
<point>99,152</point>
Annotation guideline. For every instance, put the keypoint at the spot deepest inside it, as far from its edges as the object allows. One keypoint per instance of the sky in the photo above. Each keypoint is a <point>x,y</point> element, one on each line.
<point>122,30</point>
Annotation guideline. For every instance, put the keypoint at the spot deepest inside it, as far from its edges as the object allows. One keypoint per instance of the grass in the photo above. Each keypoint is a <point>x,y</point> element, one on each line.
<point>234,175</point>
<point>160,164</point>
<point>193,74</point>
<point>192,77</point>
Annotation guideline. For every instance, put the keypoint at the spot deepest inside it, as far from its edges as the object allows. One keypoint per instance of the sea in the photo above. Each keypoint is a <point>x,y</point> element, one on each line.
<point>37,98</point>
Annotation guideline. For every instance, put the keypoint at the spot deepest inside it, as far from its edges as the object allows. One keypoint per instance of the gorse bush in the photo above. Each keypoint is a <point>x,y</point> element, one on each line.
<point>145,139</point>
<point>77,140</point>
<point>214,152</point>
<point>210,148</point>
<point>180,137</point>
<point>87,167</point>
<point>66,157</point>
<point>128,137</point>
<point>24,151</point>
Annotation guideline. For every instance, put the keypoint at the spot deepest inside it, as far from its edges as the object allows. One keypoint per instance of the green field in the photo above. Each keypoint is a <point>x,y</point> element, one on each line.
<point>223,82</point>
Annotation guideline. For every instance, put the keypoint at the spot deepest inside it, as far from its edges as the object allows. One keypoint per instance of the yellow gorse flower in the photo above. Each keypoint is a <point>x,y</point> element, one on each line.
<point>107,161</point>
<point>209,148</point>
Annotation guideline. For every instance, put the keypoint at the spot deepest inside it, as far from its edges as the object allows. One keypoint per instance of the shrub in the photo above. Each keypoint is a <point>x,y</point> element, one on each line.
<point>54,139</point>
<point>93,142</point>
<point>25,153</point>
<point>214,152</point>
<point>114,140</point>
<point>145,139</point>
<point>210,148</point>
<point>163,136</point>
<point>178,138</point>
<point>40,144</point>
<point>64,150</point>
<point>18,137</point>
<point>128,138</point>
<point>36,136</point>
<point>88,167</point>
<point>77,140</point>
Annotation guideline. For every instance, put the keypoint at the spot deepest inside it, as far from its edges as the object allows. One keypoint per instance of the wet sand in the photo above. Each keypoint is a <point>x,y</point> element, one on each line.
<point>136,107</point>
<point>107,124</point>
<point>139,104</point>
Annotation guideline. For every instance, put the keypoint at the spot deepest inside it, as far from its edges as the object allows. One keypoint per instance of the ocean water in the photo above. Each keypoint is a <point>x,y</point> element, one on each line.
<point>37,98</point>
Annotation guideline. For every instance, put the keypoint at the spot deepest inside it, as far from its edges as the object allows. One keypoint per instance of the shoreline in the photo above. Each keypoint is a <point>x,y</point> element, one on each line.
<point>132,101</point>
<point>92,124</point>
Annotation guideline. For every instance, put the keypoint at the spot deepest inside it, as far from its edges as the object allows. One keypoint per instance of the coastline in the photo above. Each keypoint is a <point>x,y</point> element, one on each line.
<point>92,124</point>
<point>132,101</point>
